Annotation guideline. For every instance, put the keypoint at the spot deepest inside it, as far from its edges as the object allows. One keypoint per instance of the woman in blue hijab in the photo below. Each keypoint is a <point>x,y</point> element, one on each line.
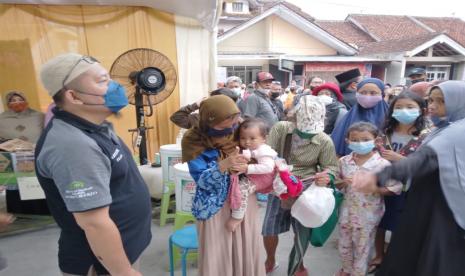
<point>430,238</point>
<point>370,108</point>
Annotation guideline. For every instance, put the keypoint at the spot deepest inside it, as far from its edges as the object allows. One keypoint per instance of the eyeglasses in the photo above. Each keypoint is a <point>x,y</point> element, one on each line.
<point>88,59</point>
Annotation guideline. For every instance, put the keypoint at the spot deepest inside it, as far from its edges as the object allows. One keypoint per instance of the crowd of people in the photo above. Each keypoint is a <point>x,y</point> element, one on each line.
<point>395,154</point>
<point>345,133</point>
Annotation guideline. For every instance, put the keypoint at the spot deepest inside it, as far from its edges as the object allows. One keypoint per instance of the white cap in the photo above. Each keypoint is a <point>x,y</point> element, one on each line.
<point>69,66</point>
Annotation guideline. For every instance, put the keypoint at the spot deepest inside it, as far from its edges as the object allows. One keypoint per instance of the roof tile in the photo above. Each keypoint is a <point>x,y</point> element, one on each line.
<point>389,27</point>
<point>345,31</point>
<point>454,27</point>
<point>396,45</point>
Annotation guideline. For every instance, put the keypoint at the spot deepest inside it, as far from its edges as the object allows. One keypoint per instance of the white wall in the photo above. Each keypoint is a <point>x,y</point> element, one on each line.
<point>243,62</point>
<point>459,71</point>
<point>393,73</point>
<point>252,39</point>
<point>287,38</point>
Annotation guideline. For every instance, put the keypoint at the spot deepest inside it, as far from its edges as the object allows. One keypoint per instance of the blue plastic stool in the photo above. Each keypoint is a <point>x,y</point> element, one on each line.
<point>185,239</point>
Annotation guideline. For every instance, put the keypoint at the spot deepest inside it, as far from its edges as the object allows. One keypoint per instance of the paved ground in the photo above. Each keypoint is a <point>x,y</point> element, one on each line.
<point>35,253</point>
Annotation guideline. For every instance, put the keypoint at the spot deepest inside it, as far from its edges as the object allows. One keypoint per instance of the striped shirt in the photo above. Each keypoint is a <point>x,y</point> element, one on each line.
<point>308,156</point>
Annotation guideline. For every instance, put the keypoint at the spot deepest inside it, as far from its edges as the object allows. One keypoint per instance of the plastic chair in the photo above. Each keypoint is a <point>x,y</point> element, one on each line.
<point>185,239</point>
<point>166,202</point>
<point>180,221</point>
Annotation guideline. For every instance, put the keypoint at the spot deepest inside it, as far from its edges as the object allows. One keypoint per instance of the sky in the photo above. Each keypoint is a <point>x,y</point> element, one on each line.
<point>339,9</point>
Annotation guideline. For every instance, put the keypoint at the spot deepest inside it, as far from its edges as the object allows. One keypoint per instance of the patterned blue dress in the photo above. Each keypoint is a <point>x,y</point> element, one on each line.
<point>212,185</point>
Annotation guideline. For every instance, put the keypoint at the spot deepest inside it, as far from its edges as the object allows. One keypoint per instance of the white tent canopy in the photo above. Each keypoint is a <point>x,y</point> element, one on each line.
<point>205,11</point>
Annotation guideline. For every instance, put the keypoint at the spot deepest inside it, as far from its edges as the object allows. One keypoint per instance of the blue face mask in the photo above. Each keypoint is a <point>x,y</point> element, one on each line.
<point>115,97</point>
<point>362,147</point>
<point>406,116</point>
<point>439,121</point>
<point>219,133</point>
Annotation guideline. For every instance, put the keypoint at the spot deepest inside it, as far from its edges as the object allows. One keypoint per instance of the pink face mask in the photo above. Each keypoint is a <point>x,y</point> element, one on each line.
<point>368,101</point>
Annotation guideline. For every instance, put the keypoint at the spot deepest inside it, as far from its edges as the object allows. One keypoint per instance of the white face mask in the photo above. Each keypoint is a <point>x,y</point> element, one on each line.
<point>265,91</point>
<point>325,99</point>
<point>237,91</point>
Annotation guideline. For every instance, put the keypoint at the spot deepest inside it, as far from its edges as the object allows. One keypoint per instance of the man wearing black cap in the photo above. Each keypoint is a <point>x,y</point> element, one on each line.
<point>348,83</point>
<point>259,105</point>
<point>417,74</point>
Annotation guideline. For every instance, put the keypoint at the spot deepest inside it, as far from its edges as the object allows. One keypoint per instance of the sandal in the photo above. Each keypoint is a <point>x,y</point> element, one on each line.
<point>273,269</point>
<point>303,272</point>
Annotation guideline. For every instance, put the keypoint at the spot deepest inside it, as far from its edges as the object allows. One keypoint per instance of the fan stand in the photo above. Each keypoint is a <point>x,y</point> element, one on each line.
<point>141,129</point>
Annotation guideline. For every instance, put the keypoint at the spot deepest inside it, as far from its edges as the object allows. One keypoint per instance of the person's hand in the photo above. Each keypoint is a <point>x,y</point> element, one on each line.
<point>2,188</point>
<point>240,168</point>
<point>364,182</point>
<point>200,101</point>
<point>233,160</point>
<point>391,155</point>
<point>347,181</point>
<point>322,178</point>
<point>6,219</point>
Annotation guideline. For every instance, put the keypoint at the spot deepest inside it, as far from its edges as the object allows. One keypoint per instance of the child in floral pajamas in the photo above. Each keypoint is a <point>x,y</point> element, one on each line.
<point>360,213</point>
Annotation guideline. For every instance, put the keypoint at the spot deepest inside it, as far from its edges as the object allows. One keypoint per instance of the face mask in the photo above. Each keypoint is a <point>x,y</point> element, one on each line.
<point>417,80</point>
<point>325,99</point>
<point>439,121</point>
<point>406,116</point>
<point>18,107</point>
<point>220,133</point>
<point>362,147</point>
<point>368,101</point>
<point>274,95</point>
<point>264,91</point>
<point>237,91</point>
<point>115,97</point>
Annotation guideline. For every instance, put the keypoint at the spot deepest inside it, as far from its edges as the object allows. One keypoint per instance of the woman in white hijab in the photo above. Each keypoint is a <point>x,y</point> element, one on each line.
<point>430,239</point>
<point>311,153</point>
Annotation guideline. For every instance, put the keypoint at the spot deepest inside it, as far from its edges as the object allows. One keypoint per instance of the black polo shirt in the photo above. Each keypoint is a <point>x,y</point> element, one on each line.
<point>82,166</point>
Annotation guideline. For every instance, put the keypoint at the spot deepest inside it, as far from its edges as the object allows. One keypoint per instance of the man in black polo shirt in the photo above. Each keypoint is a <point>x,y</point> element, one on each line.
<point>92,185</point>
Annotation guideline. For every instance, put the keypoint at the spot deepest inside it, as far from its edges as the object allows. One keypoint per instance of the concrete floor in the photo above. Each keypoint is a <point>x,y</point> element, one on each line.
<point>35,253</point>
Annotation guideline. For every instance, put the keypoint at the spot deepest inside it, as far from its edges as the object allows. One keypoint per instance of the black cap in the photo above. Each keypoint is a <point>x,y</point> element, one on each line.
<point>348,75</point>
<point>417,71</point>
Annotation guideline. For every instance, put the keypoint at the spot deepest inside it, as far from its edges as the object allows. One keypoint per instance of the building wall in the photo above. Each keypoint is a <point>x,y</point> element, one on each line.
<point>253,39</point>
<point>459,73</point>
<point>246,62</point>
<point>378,71</point>
<point>327,70</point>
<point>287,38</point>
<point>393,73</point>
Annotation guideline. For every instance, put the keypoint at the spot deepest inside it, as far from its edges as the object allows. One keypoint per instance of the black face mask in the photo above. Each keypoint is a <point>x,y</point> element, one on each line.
<point>417,80</point>
<point>274,95</point>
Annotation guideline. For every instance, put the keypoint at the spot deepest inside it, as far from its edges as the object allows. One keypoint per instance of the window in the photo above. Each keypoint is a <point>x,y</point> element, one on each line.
<point>437,73</point>
<point>246,73</point>
<point>237,7</point>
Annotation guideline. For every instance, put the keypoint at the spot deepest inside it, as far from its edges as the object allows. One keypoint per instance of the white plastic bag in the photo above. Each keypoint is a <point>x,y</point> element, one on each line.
<point>314,206</point>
